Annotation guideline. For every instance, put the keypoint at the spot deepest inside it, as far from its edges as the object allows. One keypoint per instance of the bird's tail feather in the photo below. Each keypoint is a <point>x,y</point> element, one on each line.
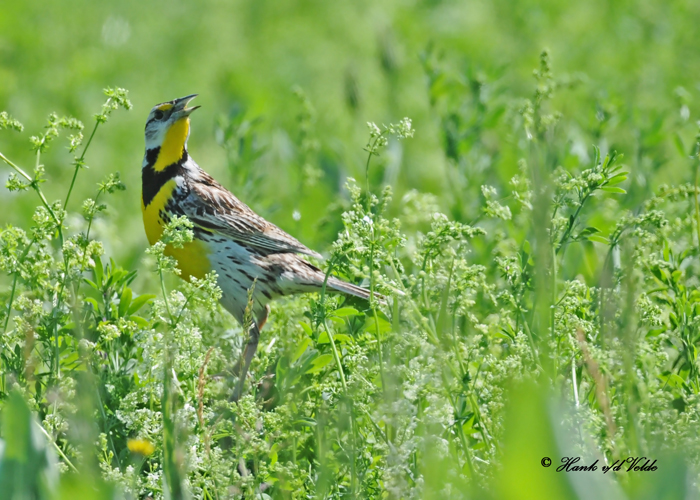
<point>349,288</point>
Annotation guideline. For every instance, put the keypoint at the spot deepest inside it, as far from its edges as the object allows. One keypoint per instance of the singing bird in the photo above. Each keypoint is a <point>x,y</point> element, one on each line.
<point>229,237</point>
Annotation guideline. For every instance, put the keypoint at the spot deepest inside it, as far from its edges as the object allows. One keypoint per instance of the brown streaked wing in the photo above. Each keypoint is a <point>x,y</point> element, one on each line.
<point>213,207</point>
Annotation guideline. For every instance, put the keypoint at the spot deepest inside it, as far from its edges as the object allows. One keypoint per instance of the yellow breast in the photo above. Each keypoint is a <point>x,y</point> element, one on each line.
<point>192,258</point>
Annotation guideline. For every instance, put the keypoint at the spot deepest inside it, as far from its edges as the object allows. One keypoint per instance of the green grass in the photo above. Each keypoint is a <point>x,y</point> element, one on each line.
<point>537,240</point>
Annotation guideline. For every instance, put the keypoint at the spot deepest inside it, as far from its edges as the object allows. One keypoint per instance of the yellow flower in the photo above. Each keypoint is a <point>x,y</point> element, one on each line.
<point>140,446</point>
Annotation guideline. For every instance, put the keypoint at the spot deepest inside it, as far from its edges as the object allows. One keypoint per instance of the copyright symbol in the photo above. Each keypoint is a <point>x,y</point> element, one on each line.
<point>546,462</point>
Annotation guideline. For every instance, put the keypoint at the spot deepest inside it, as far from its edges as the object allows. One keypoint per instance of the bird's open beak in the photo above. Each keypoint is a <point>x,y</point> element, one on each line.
<point>181,110</point>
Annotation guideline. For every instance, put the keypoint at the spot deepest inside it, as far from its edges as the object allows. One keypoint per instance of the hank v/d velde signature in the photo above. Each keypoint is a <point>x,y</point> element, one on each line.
<point>629,464</point>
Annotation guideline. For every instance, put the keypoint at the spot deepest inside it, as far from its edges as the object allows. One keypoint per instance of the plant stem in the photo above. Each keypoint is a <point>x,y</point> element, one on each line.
<point>14,283</point>
<point>17,169</point>
<point>109,434</point>
<point>343,381</point>
<point>432,335</point>
<point>574,382</point>
<point>374,312</point>
<point>9,303</point>
<point>460,430</point>
<point>58,448</point>
<point>165,297</point>
<point>35,187</point>
<point>565,237</point>
<point>553,309</point>
<point>430,330</point>
<point>697,204</point>
<point>336,356</point>
<point>79,162</point>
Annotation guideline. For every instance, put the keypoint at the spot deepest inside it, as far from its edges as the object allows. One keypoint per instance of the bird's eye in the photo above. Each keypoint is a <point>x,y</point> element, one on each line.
<point>158,115</point>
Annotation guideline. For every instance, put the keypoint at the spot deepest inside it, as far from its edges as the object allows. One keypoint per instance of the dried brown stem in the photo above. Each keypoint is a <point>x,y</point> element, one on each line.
<point>200,388</point>
<point>599,379</point>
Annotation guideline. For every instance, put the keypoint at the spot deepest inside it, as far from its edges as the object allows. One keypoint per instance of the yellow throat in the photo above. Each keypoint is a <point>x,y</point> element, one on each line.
<point>192,258</point>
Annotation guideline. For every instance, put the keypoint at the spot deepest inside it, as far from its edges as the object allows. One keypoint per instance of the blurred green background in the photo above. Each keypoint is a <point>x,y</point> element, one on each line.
<point>357,62</point>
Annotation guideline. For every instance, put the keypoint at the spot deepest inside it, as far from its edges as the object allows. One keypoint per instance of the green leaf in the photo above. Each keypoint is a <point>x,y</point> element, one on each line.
<point>305,422</point>
<point>599,239</point>
<point>503,334</point>
<point>590,230</point>
<point>468,429</point>
<point>336,320</point>
<point>673,380</point>
<point>301,348</point>
<point>140,322</point>
<point>320,363</point>
<point>371,325</point>
<point>67,327</point>
<point>91,283</point>
<point>124,301</point>
<point>92,302</point>
<point>678,142</point>
<point>674,319</point>
<point>28,467</point>
<point>273,454</point>
<point>617,178</point>
<point>613,189</point>
<point>345,312</point>
<point>98,272</point>
<point>339,337</point>
<point>307,328</point>
<point>139,302</point>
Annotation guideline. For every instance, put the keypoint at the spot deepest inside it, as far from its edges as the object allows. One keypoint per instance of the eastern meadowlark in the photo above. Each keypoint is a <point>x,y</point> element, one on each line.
<point>229,237</point>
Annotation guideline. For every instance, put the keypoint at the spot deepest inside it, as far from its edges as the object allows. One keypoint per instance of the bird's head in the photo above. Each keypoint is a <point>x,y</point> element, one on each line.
<point>168,123</point>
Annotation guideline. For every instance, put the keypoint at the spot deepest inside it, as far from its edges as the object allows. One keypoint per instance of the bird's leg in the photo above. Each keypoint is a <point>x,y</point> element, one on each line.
<point>249,352</point>
<point>262,319</point>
